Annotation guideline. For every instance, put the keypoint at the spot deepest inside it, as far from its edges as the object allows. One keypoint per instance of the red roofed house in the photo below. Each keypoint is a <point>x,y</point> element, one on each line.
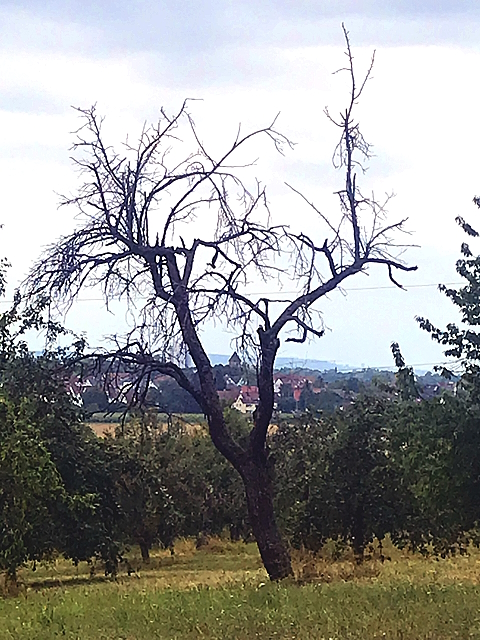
<point>247,400</point>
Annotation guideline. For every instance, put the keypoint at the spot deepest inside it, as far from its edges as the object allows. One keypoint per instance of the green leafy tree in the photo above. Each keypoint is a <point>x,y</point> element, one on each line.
<point>148,512</point>
<point>171,398</point>
<point>206,491</point>
<point>327,400</point>
<point>300,447</point>
<point>95,400</point>
<point>365,488</point>
<point>31,492</point>
<point>341,478</point>
<point>435,444</point>
<point>462,341</point>
<point>31,488</point>
<point>48,457</point>
<point>405,377</point>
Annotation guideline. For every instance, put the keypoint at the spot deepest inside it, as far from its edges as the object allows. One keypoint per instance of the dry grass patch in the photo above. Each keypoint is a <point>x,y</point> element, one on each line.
<point>386,565</point>
<point>190,424</point>
<point>103,429</point>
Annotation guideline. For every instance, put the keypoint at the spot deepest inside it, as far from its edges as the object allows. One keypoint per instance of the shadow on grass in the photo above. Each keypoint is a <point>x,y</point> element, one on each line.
<point>55,583</point>
<point>207,565</point>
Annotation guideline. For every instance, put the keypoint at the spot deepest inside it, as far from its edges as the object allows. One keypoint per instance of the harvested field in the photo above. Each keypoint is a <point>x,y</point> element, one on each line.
<point>192,424</point>
<point>103,428</point>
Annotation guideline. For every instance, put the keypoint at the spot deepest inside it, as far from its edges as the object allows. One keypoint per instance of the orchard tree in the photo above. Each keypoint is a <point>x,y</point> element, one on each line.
<point>148,515</point>
<point>31,488</point>
<point>462,342</point>
<point>31,491</point>
<point>172,226</point>
<point>339,477</point>
<point>435,445</point>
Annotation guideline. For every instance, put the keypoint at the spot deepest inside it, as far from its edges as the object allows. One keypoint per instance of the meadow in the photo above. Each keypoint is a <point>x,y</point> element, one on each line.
<point>221,591</point>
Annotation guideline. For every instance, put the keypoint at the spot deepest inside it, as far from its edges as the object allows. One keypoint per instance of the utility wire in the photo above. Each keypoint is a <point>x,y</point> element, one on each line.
<point>417,364</point>
<point>280,293</point>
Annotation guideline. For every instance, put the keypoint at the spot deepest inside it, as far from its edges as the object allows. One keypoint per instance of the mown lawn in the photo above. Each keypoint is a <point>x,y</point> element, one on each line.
<point>222,592</point>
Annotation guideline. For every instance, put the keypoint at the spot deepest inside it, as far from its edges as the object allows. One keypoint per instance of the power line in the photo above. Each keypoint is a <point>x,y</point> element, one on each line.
<point>280,293</point>
<point>418,364</point>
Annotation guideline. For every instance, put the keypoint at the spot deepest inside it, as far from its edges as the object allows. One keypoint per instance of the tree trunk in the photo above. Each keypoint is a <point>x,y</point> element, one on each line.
<point>10,585</point>
<point>259,492</point>
<point>145,551</point>
<point>252,464</point>
<point>358,534</point>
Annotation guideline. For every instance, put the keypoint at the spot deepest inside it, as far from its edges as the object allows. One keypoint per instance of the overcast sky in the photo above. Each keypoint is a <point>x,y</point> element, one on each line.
<point>247,61</point>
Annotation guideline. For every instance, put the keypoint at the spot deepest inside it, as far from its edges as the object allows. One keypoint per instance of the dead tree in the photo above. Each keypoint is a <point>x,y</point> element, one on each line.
<point>179,233</point>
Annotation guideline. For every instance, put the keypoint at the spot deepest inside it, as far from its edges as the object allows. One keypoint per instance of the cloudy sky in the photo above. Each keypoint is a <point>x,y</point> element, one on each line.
<point>247,61</point>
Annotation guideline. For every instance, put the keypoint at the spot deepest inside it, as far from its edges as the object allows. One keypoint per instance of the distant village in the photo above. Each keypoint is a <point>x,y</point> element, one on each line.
<point>295,389</point>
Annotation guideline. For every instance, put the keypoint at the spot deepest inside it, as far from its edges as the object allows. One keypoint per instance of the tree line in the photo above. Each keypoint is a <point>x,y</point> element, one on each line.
<point>388,464</point>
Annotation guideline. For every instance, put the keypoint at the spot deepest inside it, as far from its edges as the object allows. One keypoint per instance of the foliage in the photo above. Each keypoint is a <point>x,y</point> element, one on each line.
<point>299,448</point>
<point>148,513</point>
<point>169,397</point>
<point>341,479</point>
<point>31,491</point>
<point>462,341</point>
<point>55,486</point>
<point>405,377</point>
<point>436,446</point>
<point>205,490</point>
<point>95,400</point>
<point>327,400</point>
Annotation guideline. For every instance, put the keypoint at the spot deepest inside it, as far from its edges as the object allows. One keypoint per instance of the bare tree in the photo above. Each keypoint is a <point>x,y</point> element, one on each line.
<point>184,233</point>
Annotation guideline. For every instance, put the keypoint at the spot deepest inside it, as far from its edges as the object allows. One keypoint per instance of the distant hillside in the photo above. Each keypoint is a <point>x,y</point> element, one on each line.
<point>291,363</point>
<point>320,365</point>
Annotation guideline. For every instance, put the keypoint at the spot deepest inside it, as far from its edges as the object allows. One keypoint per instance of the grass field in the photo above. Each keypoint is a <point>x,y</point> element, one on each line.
<point>105,424</point>
<point>222,592</point>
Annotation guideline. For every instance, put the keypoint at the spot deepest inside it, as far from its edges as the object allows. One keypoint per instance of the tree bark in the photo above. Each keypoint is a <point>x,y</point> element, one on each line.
<point>10,583</point>
<point>258,484</point>
<point>145,551</point>
<point>358,534</point>
<point>252,463</point>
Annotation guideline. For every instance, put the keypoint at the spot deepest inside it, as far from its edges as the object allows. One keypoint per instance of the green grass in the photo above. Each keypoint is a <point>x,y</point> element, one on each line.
<point>222,592</point>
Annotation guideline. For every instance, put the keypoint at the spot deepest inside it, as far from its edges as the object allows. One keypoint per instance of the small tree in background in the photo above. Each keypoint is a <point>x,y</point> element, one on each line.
<point>435,446</point>
<point>204,489</point>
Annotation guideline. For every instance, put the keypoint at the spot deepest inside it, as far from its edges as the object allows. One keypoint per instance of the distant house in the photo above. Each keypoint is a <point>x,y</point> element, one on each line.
<point>297,392</point>
<point>247,400</point>
<point>230,394</point>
